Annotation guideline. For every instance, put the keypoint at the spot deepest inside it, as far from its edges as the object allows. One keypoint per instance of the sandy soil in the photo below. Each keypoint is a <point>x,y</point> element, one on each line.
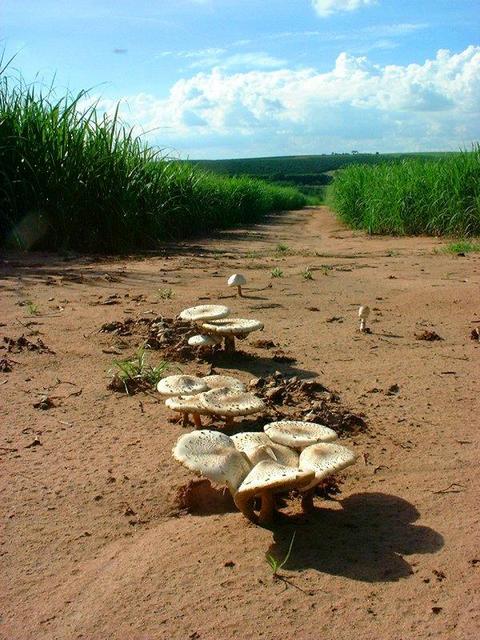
<point>94,545</point>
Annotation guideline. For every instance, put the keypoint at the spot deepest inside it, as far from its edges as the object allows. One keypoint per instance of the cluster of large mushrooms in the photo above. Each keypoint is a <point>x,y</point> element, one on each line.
<point>215,324</point>
<point>222,396</point>
<point>255,466</point>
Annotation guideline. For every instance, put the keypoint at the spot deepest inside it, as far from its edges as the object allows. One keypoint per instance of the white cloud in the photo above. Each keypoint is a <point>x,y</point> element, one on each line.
<point>216,57</point>
<point>356,104</point>
<point>327,7</point>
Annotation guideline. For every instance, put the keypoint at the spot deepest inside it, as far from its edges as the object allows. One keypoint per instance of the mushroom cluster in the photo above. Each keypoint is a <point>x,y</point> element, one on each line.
<point>256,466</point>
<point>215,324</point>
<point>214,395</point>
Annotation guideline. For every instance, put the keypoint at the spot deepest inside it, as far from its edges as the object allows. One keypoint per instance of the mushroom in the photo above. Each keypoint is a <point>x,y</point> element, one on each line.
<point>228,403</point>
<point>363,313</point>
<point>297,434</point>
<point>264,480</point>
<point>181,385</point>
<point>231,328</point>
<point>324,459</point>
<point>213,455</point>
<point>204,341</point>
<point>257,446</point>
<point>237,280</point>
<point>205,312</point>
<point>225,382</point>
<point>186,405</point>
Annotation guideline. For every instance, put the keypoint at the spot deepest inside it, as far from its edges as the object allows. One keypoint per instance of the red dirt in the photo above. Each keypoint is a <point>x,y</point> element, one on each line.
<point>96,544</point>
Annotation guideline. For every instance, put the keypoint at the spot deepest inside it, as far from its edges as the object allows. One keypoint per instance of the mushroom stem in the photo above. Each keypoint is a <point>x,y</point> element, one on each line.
<point>184,419</point>
<point>229,344</point>
<point>239,289</point>
<point>197,420</point>
<point>307,500</point>
<point>228,421</point>
<point>267,507</point>
<point>363,324</point>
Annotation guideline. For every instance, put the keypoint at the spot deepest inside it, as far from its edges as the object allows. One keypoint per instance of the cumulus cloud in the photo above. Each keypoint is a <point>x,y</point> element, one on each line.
<point>327,7</point>
<point>356,104</point>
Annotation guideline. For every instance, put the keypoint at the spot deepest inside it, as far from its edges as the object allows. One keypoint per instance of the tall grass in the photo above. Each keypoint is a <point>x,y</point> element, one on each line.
<point>71,178</point>
<point>440,196</point>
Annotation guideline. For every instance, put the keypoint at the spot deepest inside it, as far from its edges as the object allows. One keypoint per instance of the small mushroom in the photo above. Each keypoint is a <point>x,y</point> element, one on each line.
<point>181,385</point>
<point>213,455</point>
<point>324,459</point>
<point>267,478</point>
<point>186,405</point>
<point>257,446</point>
<point>363,313</point>
<point>225,382</point>
<point>204,341</point>
<point>228,403</point>
<point>297,434</point>
<point>205,312</point>
<point>231,328</point>
<point>237,280</point>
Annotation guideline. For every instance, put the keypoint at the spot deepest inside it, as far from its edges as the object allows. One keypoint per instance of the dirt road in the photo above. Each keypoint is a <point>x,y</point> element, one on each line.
<point>94,545</point>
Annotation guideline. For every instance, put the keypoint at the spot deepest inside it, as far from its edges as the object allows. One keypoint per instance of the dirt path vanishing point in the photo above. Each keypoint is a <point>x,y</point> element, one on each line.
<point>94,545</point>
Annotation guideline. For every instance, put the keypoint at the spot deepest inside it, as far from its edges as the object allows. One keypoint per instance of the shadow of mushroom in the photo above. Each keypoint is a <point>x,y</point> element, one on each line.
<point>258,365</point>
<point>365,540</point>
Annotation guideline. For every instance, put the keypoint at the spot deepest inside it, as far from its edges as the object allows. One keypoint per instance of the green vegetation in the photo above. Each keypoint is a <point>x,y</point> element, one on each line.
<point>166,294</point>
<point>282,248</point>
<point>71,178</point>
<point>276,565</point>
<point>462,246</point>
<point>277,273</point>
<point>440,196</point>
<point>307,274</point>
<point>308,170</point>
<point>32,308</point>
<point>312,175</point>
<point>135,373</point>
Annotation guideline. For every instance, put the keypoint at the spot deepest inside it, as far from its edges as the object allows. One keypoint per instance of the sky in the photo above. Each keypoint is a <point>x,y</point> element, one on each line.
<point>252,78</point>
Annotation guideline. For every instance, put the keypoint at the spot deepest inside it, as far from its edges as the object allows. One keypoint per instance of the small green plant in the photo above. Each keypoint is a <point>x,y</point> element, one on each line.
<point>276,565</point>
<point>462,246</point>
<point>166,294</point>
<point>32,308</point>
<point>136,374</point>
<point>325,268</point>
<point>277,273</point>
<point>282,248</point>
<point>307,274</point>
<point>252,255</point>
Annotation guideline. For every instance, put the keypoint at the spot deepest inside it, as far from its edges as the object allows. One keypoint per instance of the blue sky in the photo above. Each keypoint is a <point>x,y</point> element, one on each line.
<point>238,78</point>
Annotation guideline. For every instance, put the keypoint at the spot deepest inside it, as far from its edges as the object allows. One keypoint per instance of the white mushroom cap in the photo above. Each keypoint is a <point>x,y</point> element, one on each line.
<point>225,382</point>
<point>325,459</point>
<point>237,280</point>
<point>232,326</point>
<point>269,476</point>
<point>363,312</point>
<point>181,385</point>
<point>257,446</point>
<point>297,434</point>
<point>204,341</point>
<point>205,312</point>
<point>225,402</point>
<point>213,455</point>
<point>185,404</point>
